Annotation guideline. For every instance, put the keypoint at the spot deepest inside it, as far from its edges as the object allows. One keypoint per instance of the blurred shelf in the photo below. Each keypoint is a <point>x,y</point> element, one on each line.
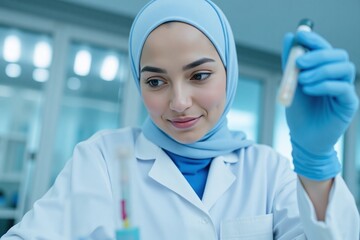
<point>10,177</point>
<point>17,136</point>
<point>12,171</point>
<point>7,213</point>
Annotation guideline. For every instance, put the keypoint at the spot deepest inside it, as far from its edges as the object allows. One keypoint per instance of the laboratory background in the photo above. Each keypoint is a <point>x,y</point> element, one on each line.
<point>64,75</point>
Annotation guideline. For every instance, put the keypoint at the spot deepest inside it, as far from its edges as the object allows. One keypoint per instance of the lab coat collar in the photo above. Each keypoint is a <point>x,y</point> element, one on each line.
<point>144,149</point>
<point>219,180</point>
<point>165,172</point>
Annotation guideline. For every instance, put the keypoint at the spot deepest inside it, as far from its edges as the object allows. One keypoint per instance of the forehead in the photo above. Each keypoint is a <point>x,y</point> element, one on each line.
<point>177,38</point>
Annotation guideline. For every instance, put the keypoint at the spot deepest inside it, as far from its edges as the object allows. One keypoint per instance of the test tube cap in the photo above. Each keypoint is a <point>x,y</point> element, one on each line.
<point>307,22</point>
<point>132,233</point>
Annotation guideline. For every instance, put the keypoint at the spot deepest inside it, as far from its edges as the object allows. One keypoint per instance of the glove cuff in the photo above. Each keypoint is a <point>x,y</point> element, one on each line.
<point>315,167</point>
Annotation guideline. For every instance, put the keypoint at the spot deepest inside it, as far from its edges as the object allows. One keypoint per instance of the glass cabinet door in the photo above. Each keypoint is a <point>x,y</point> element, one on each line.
<point>93,95</point>
<point>244,114</point>
<point>25,58</point>
<point>357,154</point>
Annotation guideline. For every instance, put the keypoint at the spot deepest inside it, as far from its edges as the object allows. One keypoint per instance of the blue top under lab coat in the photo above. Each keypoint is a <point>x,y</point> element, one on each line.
<point>250,194</point>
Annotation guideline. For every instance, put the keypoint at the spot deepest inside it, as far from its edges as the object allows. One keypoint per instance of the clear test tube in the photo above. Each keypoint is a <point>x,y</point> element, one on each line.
<point>290,76</point>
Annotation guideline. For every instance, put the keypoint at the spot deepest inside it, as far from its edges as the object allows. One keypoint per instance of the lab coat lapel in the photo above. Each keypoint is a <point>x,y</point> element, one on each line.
<point>220,178</point>
<point>165,172</point>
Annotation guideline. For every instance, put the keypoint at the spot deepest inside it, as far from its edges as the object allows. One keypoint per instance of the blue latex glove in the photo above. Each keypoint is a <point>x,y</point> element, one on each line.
<point>323,107</point>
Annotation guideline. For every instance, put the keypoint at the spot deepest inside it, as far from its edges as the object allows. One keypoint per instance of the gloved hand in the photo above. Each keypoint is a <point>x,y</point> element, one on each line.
<point>324,104</point>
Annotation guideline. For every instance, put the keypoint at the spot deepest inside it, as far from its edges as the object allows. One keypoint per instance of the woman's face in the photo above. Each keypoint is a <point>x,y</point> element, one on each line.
<point>183,81</point>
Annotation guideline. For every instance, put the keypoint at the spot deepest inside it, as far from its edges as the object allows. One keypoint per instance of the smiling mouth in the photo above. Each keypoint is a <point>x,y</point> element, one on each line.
<point>184,123</point>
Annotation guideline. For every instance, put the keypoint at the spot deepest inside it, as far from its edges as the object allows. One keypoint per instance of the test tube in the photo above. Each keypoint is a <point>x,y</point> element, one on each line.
<point>127,232</point>
<point>290,76</point>
<point>124,155</point>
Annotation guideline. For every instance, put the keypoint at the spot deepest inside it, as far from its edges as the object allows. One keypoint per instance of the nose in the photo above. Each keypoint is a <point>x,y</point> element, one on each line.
<point>180,99</point>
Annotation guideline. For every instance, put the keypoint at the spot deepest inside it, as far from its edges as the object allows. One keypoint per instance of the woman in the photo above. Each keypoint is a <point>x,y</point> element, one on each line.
<point>191,178</point>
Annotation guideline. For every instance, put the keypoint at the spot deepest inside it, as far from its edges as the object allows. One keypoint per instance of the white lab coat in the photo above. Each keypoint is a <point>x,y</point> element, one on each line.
<point>249,194</point>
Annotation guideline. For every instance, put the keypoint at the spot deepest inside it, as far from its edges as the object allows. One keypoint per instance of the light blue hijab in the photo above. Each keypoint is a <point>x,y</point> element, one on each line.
<point>209,19</point>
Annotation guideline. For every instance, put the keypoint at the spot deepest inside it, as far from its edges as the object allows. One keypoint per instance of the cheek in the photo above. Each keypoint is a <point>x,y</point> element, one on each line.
<point>153,104</point>
<point>213,98</point>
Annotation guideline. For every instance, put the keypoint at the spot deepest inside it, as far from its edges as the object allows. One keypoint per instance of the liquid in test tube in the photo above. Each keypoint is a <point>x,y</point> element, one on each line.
<point>290,76</point>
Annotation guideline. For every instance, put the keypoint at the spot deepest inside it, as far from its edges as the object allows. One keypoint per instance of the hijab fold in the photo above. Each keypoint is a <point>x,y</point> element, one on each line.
<point>211,21</point>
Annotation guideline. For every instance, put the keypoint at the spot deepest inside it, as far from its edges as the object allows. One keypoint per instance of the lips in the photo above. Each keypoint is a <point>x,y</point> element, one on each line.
<point>185,122</point>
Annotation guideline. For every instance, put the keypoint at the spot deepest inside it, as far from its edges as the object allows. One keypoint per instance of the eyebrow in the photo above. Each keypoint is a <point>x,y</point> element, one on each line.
<point>186,67</point>
<point>153,69</point>
<point>197,63</point>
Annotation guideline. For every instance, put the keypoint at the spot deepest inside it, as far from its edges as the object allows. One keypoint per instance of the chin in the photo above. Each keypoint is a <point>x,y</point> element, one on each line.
<point>186,138</point>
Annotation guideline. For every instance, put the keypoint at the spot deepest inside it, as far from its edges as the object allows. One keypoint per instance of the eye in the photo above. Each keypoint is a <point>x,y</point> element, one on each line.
<point>154,83</point>
<point>200,76</point>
